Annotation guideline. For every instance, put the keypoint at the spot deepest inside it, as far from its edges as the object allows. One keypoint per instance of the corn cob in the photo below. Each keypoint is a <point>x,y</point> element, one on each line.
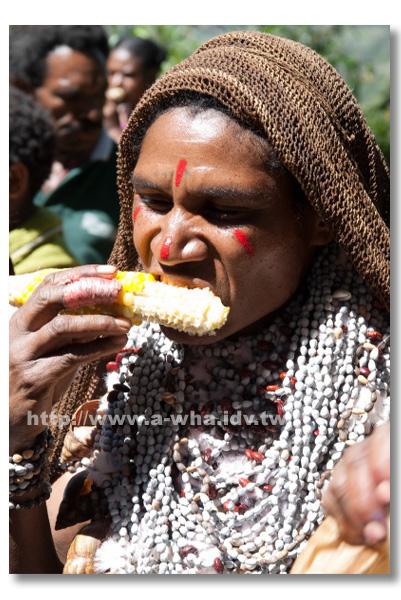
<point>194,311</point>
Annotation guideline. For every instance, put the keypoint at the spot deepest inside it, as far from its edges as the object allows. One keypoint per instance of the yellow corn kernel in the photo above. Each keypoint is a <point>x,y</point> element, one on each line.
<point>194,311</point>
<point>22,286</point>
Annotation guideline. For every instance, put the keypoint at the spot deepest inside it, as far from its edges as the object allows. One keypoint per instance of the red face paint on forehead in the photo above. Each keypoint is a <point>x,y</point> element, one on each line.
<point>165,249</point>
<point>180,171</point>
<point>243,240</point>
<point>136,212</point>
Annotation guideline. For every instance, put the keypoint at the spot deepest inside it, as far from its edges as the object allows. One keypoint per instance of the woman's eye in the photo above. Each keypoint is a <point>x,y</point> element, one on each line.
<point>224,214</point>
<point>156,204</point>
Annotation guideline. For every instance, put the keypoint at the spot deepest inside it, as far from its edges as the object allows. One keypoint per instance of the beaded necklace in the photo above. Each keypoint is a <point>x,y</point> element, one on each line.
<point>229,494</point>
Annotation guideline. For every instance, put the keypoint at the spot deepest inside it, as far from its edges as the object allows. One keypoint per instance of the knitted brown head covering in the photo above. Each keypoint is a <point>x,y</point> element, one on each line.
<point>311,120</point>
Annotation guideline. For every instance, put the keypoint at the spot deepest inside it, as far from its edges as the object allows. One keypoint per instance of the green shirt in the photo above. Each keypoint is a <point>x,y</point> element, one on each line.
<point>39,244</point>
<point>87,202</point>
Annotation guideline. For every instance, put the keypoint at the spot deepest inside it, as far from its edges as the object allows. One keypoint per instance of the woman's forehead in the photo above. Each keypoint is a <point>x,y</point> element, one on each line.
<point>208,133</point>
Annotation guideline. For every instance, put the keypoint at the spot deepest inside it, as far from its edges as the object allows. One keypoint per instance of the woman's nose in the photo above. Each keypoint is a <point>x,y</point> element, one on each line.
<point>178,243</point>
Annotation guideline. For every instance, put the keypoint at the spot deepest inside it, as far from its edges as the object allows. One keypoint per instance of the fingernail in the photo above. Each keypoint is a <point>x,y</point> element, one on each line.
<point>123,323</point>
<point>374,532</point>
<point>106,269</point>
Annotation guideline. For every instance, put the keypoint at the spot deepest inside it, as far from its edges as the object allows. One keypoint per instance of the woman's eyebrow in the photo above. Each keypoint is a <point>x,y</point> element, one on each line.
<point>221,192</point>
<point>146,184</point>
<point>232,193</point>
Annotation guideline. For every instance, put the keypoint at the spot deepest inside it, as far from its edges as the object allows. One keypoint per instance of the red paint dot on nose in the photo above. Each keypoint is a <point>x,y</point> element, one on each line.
<point>165,249</point>
<point>243,239</point>
<point>136,212</point>
<point>180,171</point>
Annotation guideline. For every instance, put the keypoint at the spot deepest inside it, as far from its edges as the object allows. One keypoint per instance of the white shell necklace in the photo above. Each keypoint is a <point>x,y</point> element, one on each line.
<point>240,496</point>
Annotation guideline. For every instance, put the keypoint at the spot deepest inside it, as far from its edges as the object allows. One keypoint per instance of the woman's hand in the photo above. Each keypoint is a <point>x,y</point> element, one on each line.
<point>359,493</point>
<point>47,348</point>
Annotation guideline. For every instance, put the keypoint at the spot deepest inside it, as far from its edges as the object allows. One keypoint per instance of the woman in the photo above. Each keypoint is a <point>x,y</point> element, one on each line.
<point>249,169</point>
<point>132,66</point>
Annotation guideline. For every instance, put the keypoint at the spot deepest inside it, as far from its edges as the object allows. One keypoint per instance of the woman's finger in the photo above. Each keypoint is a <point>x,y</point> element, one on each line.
<point>50,369</point>
<point>379,453</point>
<point>65,330</point>
<point>360,502</point>
<point>333,505</point>
<point>66,291</point>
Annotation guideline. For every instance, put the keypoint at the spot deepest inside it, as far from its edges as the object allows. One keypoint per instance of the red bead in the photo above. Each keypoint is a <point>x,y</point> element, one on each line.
<point>266,487</point>
<point>364,371</point>
<point>261,392</point>
<point>226,405</point>
<point>206,409</point>
<point>125,352</point>
<point>227,504</point>
<point>243,482</point>
<point>183,552</point>
<point>129,350</point>
<point>245,373</point>
<point>258,429</point>
<point>316,432</point>
<point>212,491</point>
<point>293,381</point>
<point>374,336</point>
<point>249,454</point>
<point>263,345</point>
<point>258,456</point>
<point>270,366</point>
<point>218,565</point>
<point>242,508</point>
<point>271,429</point>
<point>272,388</point>
<point>283,375</point>
<point>112,366</point>
<point>182,494</point>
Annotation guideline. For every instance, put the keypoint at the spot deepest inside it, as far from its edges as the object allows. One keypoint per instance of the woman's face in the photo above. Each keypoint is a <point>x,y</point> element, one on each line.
<point>207,214</point>
<point>126,71</point>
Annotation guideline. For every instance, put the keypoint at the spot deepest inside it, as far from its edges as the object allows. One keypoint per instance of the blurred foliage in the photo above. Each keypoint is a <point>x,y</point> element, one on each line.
<point>361,54</point>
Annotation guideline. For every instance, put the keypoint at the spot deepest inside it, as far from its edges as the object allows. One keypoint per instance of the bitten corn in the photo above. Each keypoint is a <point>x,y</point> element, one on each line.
<point>194,311</point>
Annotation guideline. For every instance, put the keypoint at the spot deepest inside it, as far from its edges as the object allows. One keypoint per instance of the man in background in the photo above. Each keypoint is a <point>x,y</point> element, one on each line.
<point>63,67</point>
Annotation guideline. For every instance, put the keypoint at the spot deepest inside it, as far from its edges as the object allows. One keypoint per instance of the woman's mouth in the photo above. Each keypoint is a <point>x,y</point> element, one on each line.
<point>184,282</point>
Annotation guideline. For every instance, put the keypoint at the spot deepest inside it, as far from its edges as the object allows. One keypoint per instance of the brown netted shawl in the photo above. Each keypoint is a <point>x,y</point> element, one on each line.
<point>316,128</point>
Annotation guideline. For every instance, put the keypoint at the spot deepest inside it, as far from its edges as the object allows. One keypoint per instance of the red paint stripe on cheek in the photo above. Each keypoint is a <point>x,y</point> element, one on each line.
<point>180,171</point>
<point>165,249</point>
<point>136,212</point>
<point>243,240</point>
